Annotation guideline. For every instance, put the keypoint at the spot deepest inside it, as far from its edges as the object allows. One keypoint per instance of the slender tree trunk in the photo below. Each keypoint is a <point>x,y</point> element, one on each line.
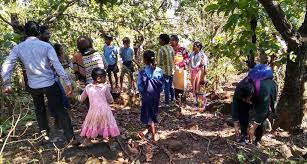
<point>251,57</point>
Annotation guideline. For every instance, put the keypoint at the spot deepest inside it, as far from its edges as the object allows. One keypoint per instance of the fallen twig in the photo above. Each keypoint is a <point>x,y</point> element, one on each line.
<point>39,152</point>
<point>208,146</point>
<point>122,147</point>
<point>168,153</point>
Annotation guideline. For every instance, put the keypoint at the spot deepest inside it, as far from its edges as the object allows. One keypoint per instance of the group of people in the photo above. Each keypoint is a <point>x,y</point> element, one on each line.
<point>166,71</point>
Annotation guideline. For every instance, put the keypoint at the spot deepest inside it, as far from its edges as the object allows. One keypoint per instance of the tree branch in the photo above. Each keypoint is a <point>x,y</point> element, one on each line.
<point>303,29</point>
<point>277,15</point>
<point>58,12</point>
<point>4,20</point>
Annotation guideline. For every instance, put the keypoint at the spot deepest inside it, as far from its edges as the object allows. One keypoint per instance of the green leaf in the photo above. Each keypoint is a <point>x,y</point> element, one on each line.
<point>231,22</point>
<point>212,8</point>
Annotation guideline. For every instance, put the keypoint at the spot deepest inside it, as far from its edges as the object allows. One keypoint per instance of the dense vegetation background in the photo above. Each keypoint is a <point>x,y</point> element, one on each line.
<point>236,34</point>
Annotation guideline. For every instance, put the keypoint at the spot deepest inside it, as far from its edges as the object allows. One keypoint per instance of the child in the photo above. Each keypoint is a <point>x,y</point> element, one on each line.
<point>150,83</point>
<point>60,52</point>
<point>99,120</point>
<point>126,54</point>
<point>110,54</point>
<point>199,64</point>
<point>166,63</point>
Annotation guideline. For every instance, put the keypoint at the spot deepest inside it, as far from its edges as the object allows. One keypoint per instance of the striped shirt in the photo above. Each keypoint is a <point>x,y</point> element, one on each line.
<point>90,62</point>
<point>165,59</point>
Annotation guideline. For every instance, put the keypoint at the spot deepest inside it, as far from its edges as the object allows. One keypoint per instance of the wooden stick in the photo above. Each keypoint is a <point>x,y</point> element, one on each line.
<point>168,153</point>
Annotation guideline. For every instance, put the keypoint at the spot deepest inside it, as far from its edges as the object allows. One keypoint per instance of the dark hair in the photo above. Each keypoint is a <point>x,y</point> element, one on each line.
<point>246,89</point>
<point>31,28</point>
<point>149,57</point>
<point>98,72</point>
<point>175,37</point>
<point>57,48</point>
<point>84,43</point>
<point>126,40</point>
<point>109,36</point>
<point>165,38</point>
<point>198,44</point>
<point>43,29</point>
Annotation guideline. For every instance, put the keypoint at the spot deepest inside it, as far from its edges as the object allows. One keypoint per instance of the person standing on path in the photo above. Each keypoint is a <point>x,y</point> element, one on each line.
<point>110,53</point>
<point>181,60</point>
<point>126,53</point>
<point>166,63</point>
<point>199,65</point>
<point>36,56</point>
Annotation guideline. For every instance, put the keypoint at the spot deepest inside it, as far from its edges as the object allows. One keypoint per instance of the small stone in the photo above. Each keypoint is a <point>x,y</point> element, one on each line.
<point>296,151</point>
<point>192,126</point>
<point>175,145</point>
<point>285,151</point>
<point>92,160</point>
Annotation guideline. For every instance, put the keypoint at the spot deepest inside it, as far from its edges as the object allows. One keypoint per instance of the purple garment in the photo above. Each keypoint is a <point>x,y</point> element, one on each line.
<point>258,73</point>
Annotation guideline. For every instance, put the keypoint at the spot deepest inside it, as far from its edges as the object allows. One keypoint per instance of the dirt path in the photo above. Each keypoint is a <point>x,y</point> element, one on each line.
<point>185,137</point>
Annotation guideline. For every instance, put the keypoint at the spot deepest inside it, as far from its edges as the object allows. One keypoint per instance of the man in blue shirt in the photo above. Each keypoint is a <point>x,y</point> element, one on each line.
<point>126,53</point>
<point>110,53</point>
<point>36,57</point>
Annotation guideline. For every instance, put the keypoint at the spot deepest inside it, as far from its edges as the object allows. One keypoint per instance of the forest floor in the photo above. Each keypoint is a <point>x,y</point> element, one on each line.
<point>185,136</point>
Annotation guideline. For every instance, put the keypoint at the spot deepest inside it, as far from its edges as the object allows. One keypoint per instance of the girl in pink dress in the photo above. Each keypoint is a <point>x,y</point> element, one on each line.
<point>99,120</point>
<point>199,66</point>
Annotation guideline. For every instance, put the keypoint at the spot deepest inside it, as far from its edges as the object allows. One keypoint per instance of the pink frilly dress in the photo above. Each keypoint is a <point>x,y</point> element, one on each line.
<point>99,119</point>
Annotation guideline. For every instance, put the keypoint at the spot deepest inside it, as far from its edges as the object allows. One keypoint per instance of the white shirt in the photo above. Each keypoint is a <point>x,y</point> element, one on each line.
<point>36,57</point>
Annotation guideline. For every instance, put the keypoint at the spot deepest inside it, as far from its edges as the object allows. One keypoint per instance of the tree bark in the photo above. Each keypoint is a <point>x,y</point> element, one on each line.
<point>251,57</point>
<point>291,108</point>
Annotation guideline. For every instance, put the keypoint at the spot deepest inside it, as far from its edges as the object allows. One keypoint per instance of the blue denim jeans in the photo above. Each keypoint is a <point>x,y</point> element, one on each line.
<point>65,98</point>
<point>168,89</point>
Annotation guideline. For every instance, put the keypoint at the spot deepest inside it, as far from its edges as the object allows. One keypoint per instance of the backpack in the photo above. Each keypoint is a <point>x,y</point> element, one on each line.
<point>257,74</point>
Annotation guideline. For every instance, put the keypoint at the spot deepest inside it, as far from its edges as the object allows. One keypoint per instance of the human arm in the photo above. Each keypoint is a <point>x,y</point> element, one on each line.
<point>83,96</point>
<point>59,69</point>
<point>8,69</point>
<point>158,58</point>
<point>235,113</point>
<point>108,94</point>
<point>273,96</point>
<point>140,83</point>
<point>115,53</point>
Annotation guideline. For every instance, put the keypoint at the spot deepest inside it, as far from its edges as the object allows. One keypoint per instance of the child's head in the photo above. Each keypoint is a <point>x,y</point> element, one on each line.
<point>58,49</point>
<point>126,42</point>
<point>99,75</point>
<point>197,46</point>
<point>44,33</point>
<point>84,43</point>
<point>108,39</point>
<point>174,40</point>
<point>149,57</point>
<point>246,91</point>
<point>164,39</point>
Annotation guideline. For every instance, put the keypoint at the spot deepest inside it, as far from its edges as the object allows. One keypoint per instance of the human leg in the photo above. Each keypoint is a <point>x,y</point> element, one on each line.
<point>109,71</point>
<point>167,89</point>
<point>171,88</point>
<point>55,101</point>
<point>40,109</point>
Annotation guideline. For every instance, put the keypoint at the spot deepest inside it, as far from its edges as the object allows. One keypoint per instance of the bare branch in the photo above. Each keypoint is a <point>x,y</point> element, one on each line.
<point>303,29</point>
<point>6,21</point>
<point>58,12</point>
<point>282,25</point>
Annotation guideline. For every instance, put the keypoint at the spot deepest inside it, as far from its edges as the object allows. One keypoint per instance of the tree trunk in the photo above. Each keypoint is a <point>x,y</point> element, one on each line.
<point>292,107</point>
